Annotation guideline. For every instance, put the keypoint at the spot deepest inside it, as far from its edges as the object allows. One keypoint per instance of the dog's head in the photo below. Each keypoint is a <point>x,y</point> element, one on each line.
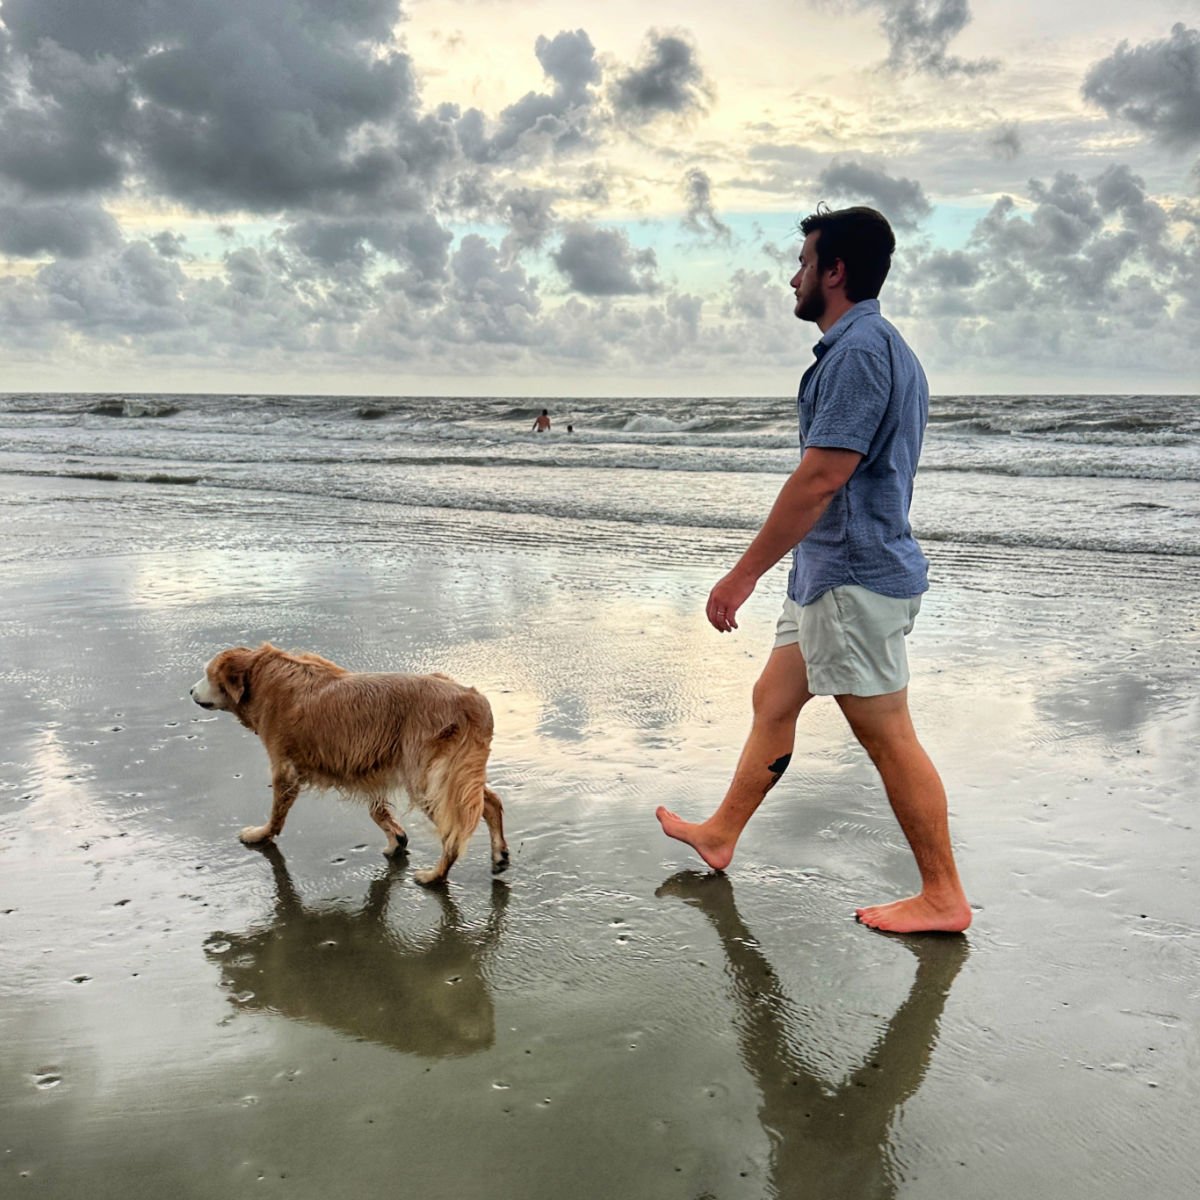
<point>226,681</point>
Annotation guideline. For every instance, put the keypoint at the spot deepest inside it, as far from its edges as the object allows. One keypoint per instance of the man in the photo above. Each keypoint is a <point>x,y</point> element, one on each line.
<point>541,423</point>
<point>857,574</point>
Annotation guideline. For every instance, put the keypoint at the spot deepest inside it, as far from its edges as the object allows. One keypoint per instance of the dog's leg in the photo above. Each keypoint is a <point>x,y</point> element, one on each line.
<point>451,848</point>
<point>455,820</point>
<point>493,814</point>
<point>450,793</point>
<point>286,784</point>
<point>384,818</point>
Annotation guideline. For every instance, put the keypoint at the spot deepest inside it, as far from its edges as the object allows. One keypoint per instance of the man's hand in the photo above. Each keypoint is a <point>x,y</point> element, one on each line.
<point>797,508</point>
<point>727,597</point>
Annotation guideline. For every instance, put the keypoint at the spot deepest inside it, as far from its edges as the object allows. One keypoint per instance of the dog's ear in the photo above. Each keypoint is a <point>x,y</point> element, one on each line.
<point>231,673</point>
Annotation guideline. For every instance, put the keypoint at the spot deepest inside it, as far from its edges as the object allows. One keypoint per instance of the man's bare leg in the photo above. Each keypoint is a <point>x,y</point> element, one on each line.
<point>779,695</point>
<point>884,727</point>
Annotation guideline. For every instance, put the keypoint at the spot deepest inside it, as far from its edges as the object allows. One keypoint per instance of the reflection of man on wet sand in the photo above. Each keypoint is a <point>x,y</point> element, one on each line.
<point>357,974</point>
<point>826,1142</point>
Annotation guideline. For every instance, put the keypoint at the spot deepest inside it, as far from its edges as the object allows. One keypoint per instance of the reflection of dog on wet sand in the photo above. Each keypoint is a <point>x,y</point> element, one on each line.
<point>367,736</point>
<point>420,991</point>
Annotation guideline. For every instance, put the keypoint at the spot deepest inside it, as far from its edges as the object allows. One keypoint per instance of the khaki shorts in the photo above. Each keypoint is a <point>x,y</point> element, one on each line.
<point>852,640</point>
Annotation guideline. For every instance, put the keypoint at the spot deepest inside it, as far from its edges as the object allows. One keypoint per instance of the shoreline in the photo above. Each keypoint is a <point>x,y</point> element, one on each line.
<point>605,984</point>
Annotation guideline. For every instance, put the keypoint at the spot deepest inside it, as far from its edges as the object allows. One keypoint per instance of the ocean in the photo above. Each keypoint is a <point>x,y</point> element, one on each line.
<point>1080,484</point>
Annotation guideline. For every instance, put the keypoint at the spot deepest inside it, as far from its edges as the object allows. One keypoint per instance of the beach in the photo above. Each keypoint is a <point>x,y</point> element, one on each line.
<point>181,1014</point>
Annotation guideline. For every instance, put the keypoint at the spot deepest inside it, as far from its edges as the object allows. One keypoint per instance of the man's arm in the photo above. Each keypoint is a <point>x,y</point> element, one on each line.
<point>803,498</point>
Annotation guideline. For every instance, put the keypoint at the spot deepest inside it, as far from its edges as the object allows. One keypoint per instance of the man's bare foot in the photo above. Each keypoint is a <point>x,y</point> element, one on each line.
<point>917,914</point>
<point>716,851</point>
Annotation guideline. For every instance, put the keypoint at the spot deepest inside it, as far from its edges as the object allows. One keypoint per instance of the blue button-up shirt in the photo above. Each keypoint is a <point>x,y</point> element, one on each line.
<point>865,392</point>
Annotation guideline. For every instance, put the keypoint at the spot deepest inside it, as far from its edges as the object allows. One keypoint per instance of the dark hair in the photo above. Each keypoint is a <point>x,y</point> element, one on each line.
<point>861,238</point>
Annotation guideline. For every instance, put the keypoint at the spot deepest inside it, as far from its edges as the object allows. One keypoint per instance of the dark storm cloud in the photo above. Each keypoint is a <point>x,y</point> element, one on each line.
<point>601,262</point>
<point>63,228</point>
<point>418,241</point>
<point>902,201</point>
<point>701,216</point>
<point>556,120</point>
<point>1155,86</point>
<point>669,80</point>
<point>259,104</point>
<point>64,130</point>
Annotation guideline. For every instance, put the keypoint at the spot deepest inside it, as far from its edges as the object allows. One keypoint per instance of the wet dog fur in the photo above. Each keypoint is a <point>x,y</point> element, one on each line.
<point>367,736</point>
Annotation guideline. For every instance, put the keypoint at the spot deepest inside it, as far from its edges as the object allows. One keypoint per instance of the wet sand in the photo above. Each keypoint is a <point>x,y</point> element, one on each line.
<point>181,1015</point>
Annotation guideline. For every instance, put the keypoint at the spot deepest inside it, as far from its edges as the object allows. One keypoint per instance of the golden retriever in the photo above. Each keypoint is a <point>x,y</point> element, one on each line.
<point>367,736</point>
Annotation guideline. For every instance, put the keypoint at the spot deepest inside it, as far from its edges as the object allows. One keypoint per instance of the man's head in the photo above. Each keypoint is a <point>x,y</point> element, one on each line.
<point>846,257</point>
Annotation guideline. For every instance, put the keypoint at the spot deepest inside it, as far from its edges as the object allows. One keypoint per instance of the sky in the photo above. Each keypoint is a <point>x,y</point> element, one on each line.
<point>535,198</point>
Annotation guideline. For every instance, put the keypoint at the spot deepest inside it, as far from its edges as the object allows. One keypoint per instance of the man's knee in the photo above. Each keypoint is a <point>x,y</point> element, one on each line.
<point>773,703</point>
<point>880,723</point>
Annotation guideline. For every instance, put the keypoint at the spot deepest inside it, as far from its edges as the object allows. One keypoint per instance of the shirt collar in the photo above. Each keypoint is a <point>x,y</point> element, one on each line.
<point>835,331</point>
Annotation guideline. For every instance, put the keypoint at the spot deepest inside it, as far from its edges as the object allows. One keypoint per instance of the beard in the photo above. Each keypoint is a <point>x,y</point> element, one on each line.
<point>811,307</point>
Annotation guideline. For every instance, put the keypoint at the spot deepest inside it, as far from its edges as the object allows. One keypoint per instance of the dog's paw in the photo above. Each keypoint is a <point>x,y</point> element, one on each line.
<point>253,834</point>
<point>500,863</point>
<point>429,878</point>
<point>399,850</point>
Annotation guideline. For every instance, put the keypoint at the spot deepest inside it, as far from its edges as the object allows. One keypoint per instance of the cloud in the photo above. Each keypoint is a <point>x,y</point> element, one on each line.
<point>62,120</point>
<point>417,241</point>
<point>1155,86</point>
<point>701,216</point>
<point>952,269</point>
<point>63,228</point>
<point>902,201</point>
<point>570,60</point>
<point>133,290</point>
<point>601,262</point>
<point>919,33</point>
<point>494,303</point>
<point>1069,273</point>
<point>1005,142</point>
<point>557,120</point>
<point>669,80</point>
<point>529,213</point>
<point>231,104</point>
<point>1120,192</point>
<point>751,294</point>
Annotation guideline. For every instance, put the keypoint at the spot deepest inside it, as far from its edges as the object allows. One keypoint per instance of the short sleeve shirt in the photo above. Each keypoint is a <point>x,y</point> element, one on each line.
<point>866,392</point>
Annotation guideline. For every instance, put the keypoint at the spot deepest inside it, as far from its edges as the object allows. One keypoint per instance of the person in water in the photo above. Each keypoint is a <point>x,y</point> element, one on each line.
<point>542,423</point>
